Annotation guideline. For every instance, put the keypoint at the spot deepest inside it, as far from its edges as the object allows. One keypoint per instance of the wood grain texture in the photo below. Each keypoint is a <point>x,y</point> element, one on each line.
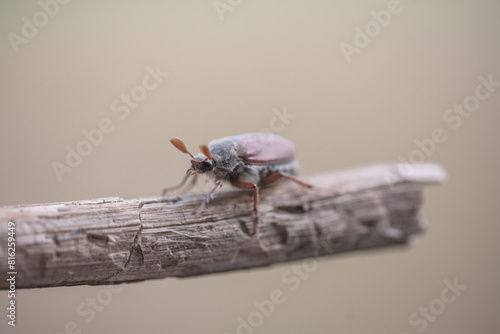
<point>114,240</point>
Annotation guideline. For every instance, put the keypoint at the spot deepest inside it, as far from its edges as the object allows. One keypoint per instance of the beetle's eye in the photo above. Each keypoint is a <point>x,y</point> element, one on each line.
<point>207,165</point>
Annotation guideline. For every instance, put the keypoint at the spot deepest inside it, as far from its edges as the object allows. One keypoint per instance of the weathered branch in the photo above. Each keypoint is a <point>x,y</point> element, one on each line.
<point>115,240</point>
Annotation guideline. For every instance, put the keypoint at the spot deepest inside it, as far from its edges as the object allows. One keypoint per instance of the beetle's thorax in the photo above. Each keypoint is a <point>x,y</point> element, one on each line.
<point>225,157</point>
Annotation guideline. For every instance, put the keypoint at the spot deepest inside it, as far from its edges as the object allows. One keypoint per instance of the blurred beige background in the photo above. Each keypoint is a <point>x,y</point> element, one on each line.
<point>232,76</point>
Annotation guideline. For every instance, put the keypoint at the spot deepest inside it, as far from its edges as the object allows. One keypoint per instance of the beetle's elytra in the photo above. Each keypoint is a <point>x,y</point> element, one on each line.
<point>247,161</point>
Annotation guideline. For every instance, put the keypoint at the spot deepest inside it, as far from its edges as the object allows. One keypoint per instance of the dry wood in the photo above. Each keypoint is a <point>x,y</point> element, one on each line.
<point>114,240</point>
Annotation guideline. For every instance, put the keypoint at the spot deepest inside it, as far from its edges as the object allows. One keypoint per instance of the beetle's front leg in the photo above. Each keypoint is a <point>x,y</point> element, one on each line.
<point>180,185</point>
<point>210,196</point>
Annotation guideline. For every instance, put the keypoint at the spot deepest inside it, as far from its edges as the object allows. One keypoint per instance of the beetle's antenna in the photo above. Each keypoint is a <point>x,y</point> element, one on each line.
<point>204,149</point>
<point>179,144</point>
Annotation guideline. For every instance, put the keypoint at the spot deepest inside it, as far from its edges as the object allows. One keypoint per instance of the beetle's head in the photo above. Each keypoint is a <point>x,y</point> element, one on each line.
<point>201,163</point>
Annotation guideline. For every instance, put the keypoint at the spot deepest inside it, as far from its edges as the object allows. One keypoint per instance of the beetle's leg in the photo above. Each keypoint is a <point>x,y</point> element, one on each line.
<point>296,180</point>
<point>193,182</point>
<point>210,196</point>
<point>275,176</point>
<point>255,210</point>
<point>180,185</point>
<point>244,185</point>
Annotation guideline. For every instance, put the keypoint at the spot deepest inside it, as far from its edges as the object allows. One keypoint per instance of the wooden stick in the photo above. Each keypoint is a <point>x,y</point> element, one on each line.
<point>114,240</point>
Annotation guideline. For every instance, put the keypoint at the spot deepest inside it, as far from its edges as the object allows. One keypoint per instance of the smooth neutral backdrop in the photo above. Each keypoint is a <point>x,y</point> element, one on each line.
<point>234,69</point>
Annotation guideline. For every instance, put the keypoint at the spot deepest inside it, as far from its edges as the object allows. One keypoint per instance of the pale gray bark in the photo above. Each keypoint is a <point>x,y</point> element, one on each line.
<point>113,240</point>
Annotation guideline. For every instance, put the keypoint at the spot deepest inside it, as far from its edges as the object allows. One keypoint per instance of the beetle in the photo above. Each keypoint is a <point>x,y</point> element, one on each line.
<point>247,161</point>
